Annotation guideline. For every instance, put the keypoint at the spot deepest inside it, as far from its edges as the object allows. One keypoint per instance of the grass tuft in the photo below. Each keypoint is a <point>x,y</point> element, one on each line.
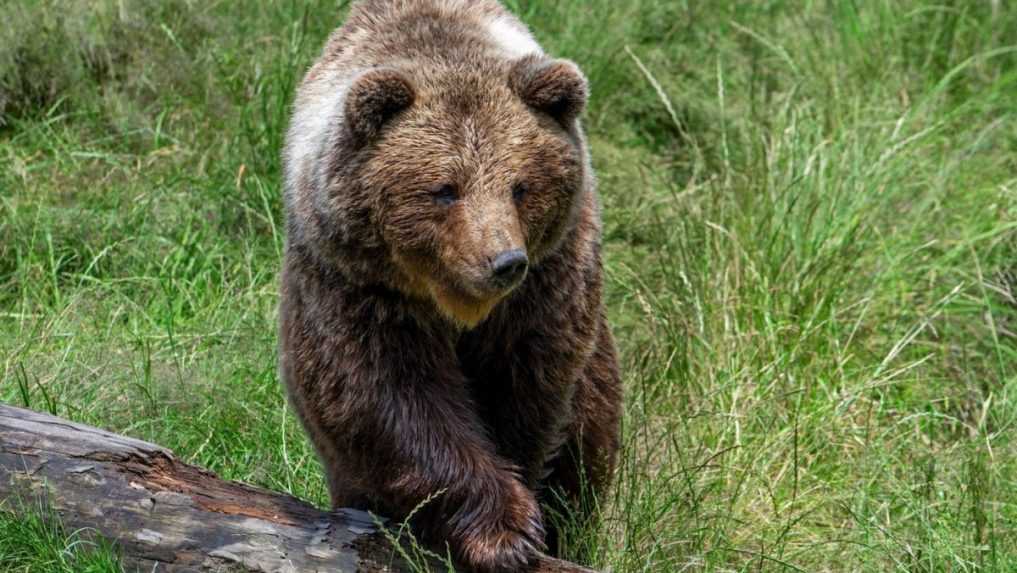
<point>33,541</point>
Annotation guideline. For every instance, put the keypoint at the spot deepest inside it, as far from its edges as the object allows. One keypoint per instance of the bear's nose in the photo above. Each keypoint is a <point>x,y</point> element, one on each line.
<point>509,266</point>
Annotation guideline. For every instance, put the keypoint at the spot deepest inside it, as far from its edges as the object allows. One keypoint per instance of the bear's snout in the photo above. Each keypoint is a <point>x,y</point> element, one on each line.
<point>508,268</point>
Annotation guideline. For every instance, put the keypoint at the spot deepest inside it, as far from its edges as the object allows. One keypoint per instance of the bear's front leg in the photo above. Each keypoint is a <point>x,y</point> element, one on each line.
<point>393,407</point>
<point>427,442</point>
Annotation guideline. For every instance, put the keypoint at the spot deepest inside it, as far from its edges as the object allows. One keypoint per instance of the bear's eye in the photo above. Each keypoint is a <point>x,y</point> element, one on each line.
<point>519,191</point>
<point>445,195</point>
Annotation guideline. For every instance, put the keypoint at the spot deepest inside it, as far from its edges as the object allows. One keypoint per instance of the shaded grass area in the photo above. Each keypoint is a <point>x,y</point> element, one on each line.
<point>811,241</point>
<point>33,541</point>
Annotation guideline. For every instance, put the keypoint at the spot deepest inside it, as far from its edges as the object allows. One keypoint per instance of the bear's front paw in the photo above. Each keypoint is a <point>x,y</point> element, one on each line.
<point>510,541</point>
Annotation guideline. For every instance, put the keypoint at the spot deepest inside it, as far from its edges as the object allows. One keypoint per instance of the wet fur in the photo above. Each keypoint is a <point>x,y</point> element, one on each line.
<point>408,380</point>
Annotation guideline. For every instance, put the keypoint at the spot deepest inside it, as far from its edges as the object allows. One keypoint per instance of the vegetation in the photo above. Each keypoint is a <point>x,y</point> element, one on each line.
<point>32,541</point>
<point>811,243</point>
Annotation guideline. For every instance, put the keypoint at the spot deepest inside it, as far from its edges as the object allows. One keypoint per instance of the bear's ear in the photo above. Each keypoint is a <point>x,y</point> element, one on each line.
<point>373,99</point>
<point>555,87</point>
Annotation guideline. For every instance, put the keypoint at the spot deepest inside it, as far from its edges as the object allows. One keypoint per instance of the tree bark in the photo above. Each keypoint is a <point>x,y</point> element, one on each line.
<point>168,516</point>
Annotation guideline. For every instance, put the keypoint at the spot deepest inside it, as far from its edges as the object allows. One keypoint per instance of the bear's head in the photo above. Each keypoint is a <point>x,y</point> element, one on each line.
<point>469,177</point>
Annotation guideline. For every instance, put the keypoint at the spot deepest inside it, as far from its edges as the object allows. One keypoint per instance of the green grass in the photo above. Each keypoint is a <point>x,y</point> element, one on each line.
<point>811,245</point>
<point>33,541</point>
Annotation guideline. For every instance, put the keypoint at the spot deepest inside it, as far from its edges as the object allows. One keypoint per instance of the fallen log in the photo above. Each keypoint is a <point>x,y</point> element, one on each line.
<point>169,516</point>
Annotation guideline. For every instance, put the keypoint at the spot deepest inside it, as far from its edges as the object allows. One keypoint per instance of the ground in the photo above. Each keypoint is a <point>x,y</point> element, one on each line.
<point>811,250</point>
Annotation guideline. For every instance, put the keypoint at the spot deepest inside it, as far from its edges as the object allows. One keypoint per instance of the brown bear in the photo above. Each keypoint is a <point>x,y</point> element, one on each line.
<point>443,337</point>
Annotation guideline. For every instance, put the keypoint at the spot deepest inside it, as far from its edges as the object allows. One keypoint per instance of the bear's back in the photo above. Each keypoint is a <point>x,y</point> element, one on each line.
<point>428,32</point>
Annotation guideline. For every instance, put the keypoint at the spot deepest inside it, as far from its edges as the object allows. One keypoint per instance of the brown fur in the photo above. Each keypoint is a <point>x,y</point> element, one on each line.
<point>412,369</point>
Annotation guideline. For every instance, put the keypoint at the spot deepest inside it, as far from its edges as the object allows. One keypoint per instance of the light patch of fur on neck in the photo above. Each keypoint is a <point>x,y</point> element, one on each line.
<point>465,313</point>
<point>318,113</point>
<point>512,37</point>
